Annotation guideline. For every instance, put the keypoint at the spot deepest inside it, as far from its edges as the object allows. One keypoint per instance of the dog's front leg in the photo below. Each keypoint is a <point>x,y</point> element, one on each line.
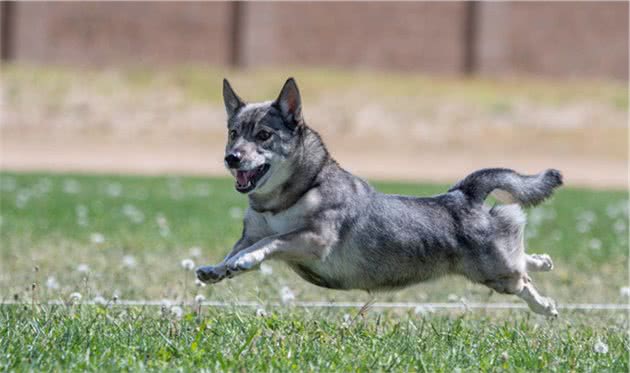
<point>216,273</point>
<point>303,244</point>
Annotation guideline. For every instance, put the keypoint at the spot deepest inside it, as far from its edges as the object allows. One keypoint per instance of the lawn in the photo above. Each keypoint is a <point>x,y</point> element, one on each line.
<point>125,237</point>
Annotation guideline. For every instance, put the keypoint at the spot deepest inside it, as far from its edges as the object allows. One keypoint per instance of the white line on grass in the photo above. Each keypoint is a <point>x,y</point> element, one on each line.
<point>322,304</point>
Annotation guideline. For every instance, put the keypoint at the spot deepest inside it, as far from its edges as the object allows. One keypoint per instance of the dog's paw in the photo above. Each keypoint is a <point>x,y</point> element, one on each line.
<point>546,264</point>
<point>546,308</point>
<point>211,274</point>
<point>244,262</point>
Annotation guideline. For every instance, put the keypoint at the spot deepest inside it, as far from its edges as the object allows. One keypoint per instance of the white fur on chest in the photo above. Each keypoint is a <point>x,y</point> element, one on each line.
<point>295,217</point>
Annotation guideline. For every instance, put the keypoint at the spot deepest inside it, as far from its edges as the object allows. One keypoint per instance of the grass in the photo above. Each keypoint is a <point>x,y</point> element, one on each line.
<point>122,236</point>
<point>198,83</point>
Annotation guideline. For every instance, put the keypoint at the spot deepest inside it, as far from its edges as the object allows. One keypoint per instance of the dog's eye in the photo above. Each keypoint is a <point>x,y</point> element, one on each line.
<point>233,134</point>
<point>263,135</point>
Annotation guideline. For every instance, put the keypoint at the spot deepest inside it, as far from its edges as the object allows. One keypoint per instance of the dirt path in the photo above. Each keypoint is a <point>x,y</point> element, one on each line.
<point>433,165</point>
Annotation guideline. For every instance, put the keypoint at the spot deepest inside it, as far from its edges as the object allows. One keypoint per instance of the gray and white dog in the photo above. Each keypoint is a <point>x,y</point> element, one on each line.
<point>334,230</point>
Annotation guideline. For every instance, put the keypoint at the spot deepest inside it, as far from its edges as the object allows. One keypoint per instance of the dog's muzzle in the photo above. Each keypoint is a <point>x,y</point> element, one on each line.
<point>246,181</point>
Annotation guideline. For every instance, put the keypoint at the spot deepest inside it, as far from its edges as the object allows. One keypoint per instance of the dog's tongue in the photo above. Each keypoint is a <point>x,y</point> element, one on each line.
<point>243,177</point>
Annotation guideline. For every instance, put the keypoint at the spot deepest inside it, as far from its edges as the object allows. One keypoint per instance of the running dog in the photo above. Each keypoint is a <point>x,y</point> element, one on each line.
<point>336,231</point>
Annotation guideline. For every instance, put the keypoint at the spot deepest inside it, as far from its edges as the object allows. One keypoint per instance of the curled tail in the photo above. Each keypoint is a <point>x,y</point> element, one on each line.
<point>509,186</point>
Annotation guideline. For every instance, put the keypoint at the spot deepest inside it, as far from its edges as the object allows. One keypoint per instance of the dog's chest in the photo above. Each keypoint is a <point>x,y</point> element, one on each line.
<point>297,216</point>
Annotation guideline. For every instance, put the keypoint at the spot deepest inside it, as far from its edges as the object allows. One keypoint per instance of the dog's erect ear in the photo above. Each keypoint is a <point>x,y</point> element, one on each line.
<point>231,99</point>
<point>290,104</point>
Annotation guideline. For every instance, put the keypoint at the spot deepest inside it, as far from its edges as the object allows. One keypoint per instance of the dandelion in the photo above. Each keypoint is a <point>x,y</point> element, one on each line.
<point>129,261</point>
<point>75,297</point>
<point>199,283</point>
<point>260,312</point>
<point>113,189</point>
<point>133,213</point>
<point>600,347</point>
<point>165,303</point>
<point>595,244</point>
<point>423,310</point>
<point>235,213</point>
<point>286,295</point>
<point>347,320</point>
<point>82,215</point>
<point>199,298</point>
<point>99,300</point>
<point>97,238</point>
<point>195,252</point>
<point>177,312</point>
<point>51,283</point>
<point>162,225</point>
<point>188,264</point>
<point>505,356</point>
<point>625,291</point>
<point>83,268</point>
<point>620,226</point>
<point>71,186</point>
<point>22,199</point>
<point>266,269</point>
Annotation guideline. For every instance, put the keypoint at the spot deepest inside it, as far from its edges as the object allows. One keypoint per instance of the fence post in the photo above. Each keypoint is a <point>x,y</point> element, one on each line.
<point>6,30</point>
<point>470,36</point>
<point>235,36</point>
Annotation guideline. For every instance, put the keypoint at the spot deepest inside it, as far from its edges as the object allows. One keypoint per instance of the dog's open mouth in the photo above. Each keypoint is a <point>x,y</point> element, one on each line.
<point>246,180</point>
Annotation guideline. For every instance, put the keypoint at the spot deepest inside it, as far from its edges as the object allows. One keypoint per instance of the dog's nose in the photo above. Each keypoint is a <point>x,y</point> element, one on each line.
<point>233,160</point>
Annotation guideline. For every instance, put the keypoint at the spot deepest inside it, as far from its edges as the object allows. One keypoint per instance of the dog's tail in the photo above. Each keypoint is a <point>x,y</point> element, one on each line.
<point>508,186</point>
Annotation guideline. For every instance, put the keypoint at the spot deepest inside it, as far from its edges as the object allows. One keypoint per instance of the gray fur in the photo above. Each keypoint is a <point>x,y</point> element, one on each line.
<point>334,230</point>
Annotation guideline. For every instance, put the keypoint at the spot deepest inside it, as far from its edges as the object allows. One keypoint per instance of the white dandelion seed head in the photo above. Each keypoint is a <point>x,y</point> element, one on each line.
<point>113,189</point>
<point>620,226</point>
<point>625,291</point>
<point>177,312</point>
<point>51,283</point>
<point>195,252</point>
<point>83,268</point>
<point>600,347</point>
<point>260,312</point>
<point>505,356</point>
<point>199,298</point>
<point>75,297</point>
<point>423,310</point>
<point>99,300</point>
<point>286,294</point>
<point>129,261</point>
<point>347,320</point>
<point>166,303</point>
<point>595,244</point>
<point>71,186</point>
<point>133,213</point>
<point>160,219</point>
<point>199,283</point>
<point>188,264</point>
<point>97,238</point>
<point>266,269</point>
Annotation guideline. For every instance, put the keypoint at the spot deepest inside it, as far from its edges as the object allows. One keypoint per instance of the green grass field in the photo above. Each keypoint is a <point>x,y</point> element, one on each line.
<point>125,237</point>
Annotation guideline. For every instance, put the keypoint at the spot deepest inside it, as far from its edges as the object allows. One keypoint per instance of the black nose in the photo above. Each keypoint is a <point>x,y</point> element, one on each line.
<point>232,160</point>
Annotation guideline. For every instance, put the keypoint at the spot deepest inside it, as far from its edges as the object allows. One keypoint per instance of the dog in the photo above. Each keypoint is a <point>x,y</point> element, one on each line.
<point>336,231</point>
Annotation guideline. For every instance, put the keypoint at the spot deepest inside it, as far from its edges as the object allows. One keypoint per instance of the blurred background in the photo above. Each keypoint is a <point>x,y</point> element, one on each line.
<point>407,91</point>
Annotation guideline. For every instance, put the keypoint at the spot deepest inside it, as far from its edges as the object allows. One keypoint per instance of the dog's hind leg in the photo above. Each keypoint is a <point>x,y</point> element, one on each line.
<point>536,302</point>
<point>521,286</point>
<point>538,263</point>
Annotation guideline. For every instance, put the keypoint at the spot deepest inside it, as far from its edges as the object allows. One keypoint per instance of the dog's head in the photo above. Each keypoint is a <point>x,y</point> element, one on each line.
<point>262,138</point>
